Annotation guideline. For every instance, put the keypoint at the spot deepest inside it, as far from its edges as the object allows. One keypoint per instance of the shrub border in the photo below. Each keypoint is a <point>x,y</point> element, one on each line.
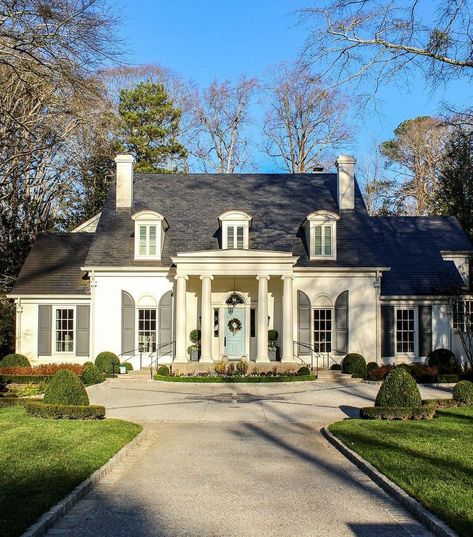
<point>39,409</point>
<point>236,379</point>
<point>59,510</point>
<point>26,379</point>
<point>6,402</point>
<point>424,412</point>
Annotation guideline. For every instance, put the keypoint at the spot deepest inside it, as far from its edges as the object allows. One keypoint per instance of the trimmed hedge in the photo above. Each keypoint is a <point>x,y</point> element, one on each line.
<point>370,366</point>
<point>425,412</point>
<point>163,370</point>
<point>26,379</point>
<point>304,370</point>
<point>336,367</point>
<point>463,392</point>
<point>15,360</point>
<point>69,412</point>
<point>66,388</point>
<point>354,364</point>
<point>16,401</point>
<point>442,403</point>
<point>92,375</point>
<point>399,389</point>
<point>447,377</point>
<point>127,366</point>
<point>250,380</point>
<point>444,359</point>
<point>107,362</point>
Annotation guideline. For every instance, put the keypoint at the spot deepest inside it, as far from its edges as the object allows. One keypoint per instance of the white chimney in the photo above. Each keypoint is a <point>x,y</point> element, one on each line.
<point>124,193</point>
<point>346,182</point>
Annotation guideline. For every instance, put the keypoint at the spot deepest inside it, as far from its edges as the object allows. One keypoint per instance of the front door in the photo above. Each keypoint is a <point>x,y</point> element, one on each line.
<point>235,332</point>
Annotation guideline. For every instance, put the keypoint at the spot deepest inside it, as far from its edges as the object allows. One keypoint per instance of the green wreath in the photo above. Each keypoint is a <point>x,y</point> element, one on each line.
<point>234,325</point>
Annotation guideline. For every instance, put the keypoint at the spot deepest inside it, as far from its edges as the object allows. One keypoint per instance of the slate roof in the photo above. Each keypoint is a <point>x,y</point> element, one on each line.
<point>279,204</point>
<point>53,265</point>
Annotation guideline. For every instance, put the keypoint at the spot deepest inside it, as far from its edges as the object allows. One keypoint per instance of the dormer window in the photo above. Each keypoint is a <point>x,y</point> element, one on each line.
<point>150,228</point>
<point>235,227</point>
<point>321,235</point>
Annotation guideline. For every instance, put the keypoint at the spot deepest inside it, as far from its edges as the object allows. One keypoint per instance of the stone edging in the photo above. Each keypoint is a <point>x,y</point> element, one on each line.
<point>429,520</point>
<point>59,510</point>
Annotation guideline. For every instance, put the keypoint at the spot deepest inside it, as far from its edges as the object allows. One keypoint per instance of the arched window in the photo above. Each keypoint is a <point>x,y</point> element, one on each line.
<point>234,299</point>
<point>150,227</point>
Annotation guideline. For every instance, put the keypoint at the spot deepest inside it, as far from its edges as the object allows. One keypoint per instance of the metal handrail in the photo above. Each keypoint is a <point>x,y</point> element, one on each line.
<point>298,344</point>
<point>158,348</point>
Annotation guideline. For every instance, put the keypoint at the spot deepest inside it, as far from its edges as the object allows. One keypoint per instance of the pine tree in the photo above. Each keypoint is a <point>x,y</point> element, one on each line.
<point>150,129</point>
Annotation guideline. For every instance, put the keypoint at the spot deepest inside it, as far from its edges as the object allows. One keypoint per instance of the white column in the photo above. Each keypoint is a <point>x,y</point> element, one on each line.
<point>262,347</point>
<point>181,317</point>
<point>206,319</point>
<point>287,320</point>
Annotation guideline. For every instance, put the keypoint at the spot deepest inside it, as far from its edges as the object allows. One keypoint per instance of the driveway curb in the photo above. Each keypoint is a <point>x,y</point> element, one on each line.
<point>56,512</point>
<point>431,522</point>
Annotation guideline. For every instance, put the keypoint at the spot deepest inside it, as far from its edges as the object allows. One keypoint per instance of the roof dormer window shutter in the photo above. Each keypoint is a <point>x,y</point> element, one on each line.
<point>150,228</point>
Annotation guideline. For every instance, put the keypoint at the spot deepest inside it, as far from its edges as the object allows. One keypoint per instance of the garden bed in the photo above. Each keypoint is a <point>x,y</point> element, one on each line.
<point>64,454</point>
<point>431,460</point>
<point>235,379</point>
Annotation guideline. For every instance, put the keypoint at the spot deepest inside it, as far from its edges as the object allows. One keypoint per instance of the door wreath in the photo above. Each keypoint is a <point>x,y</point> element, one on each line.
<point>234,325</point>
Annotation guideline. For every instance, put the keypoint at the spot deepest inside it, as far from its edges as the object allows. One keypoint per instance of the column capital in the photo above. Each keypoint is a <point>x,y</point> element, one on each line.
<point>178,276</point>
<point>287,277</point>
<point>263,277</point>
<point>206,275</point>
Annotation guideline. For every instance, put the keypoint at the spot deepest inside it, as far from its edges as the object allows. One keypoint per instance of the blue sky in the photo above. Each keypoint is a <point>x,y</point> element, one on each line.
<point>207,39</point>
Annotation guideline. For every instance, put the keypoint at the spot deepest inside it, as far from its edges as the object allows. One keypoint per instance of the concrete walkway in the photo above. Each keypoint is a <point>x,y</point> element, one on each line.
<point>238,460</point>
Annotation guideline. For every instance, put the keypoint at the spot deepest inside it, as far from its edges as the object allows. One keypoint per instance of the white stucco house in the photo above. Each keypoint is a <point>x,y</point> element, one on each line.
<point>234,256</point>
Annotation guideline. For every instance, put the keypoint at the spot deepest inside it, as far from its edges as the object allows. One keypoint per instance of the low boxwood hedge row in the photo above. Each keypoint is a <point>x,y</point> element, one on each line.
<point>71,412</point>
<point>442,403</point>
<point>447,377</point>
<point>425,412</point>
<point>26,379</point>
<point>292,378</point>
<point>16,401</point>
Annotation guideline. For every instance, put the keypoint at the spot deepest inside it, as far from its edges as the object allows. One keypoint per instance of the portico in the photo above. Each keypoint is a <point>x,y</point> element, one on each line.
<point>236,296</point>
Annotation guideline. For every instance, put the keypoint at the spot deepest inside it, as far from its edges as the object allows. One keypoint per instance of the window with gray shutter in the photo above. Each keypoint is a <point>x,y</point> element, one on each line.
<point>387,332</point>
<point>303,323</point>
<point>425,330</point>
<point>341,323</point>
<point>128,324</point>
<point>44,329</point>
<point>165,322</point>
<point>82,330</point>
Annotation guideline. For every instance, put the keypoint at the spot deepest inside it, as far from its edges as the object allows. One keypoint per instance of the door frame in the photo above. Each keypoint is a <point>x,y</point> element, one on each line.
<point>221,317</point>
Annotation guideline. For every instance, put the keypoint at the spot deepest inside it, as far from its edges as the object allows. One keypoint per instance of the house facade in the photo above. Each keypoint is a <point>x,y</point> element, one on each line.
<point>236,256</point>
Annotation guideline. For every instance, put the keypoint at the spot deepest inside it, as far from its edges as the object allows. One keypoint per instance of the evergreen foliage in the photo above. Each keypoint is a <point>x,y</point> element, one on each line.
<point>15,360</point>
<point>107,362</point>
<point>66,388</point>
<point>354,364</point>
<point>399,389</point>
<point>463,392</point>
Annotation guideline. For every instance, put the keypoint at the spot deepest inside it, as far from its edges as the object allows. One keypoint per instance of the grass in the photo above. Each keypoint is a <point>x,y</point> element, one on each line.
<point>218,380</point>
<point>431,460</point>
<point>42,460</point>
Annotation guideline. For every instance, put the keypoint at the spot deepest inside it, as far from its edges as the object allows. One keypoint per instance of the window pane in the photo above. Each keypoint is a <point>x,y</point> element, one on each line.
<point>142,240</point>
<point>64,330</point>
<point>230,237</point>
<point>328,240</point>
<point>318,240</point>
<point>152,240</point>
<point>147,329</point>
<point>405,330</point>
<point>239,237</point>
<point>323,330</point>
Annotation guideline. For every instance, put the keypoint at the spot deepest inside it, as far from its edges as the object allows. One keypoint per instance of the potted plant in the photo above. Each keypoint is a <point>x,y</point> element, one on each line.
<point>194,349</point>
<point>273,349</point>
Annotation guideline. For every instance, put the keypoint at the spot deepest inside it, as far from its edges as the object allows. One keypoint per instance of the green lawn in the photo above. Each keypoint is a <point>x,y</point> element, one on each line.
<point>431,460</point>
<point>42,460</point>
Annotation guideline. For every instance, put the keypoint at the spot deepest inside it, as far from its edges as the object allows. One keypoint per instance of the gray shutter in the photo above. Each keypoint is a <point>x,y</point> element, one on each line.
<point>425,330</point>
<point>165,322</point>
<point>128,324</point>
<point>303,323</point>
<point>387,332</point>
<point>44,329</point>
<point>341,323</point>
<point>82,330</point>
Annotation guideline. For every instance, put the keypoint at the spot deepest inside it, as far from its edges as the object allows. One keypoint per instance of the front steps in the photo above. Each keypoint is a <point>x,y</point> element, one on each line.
<point>329,375</point>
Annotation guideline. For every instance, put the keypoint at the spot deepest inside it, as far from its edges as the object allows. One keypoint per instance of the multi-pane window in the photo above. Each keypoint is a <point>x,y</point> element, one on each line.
<point>147,329</point>
<point>235,237</point>
<point>405,330</point>
<point>323,330</point>
<point>216,322</point>
<point>147,240</point>
<point>65,330</point>
<point>323,240</point>
<point>463,316</point>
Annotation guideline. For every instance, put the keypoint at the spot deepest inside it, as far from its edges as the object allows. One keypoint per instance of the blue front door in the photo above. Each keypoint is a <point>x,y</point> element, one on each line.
<point>235,330</point>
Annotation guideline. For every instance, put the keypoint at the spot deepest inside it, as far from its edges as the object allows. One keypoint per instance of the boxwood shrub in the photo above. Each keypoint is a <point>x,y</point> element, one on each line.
<point>163,370</point>
<point>127,365</point>
<point>463,392</point>
<point>69,412</point>
<point>354,364</point>
<point>304,370</point>
<point>15,360</point>
<point>336,367</point>
<point>444,359</point>
<point>92,375</point>
<point>107,362</point>
<point>370,366</point>
<point>66,388</point>
<point>423,412</point>
<point>26,379</point>
<point>447,377</point>
<point>442,403</point>
<point>399,389</point>
<point>16,401</point>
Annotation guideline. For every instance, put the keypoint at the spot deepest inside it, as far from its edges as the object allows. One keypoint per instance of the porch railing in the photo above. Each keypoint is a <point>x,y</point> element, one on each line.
<point>159,354</point>
<point>313,352</point>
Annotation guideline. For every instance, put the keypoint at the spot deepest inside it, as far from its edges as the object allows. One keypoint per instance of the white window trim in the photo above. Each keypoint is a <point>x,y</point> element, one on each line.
<point>74,329</point>
<point>148,219</point>
<point>321,218</point>
<point>235,219</point>
<point>332,331</point>
<point>137,324</point>
<point>416,331</point>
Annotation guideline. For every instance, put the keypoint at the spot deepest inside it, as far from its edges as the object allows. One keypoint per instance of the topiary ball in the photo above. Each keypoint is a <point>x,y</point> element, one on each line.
<point>304,370</point>
<point>371,365</point>
<point>336,367</point>
<point>355,365</point>
<point>86,364</point>
<point>463,392</point>
<point>163,370</point>
<point>273,335</point>
<point>92,375</point>
<point>399,389</point>
<point>127,366</point>
<point>107,362</point>
<point>406,367</point>
<point>66,388</point>
<point>444,359</point>
<point>195,336</point>
<point>15,360</point>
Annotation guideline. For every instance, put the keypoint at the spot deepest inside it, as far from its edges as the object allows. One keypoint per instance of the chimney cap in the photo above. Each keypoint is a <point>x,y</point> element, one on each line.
<point>318,169</point>
<point>345,159</point>
<point>125,159</point>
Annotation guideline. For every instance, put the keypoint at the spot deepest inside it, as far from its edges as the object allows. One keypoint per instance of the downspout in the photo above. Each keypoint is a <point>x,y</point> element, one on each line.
<point>93,285</point>
<point>19,311</point>
<point>377,286</point>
